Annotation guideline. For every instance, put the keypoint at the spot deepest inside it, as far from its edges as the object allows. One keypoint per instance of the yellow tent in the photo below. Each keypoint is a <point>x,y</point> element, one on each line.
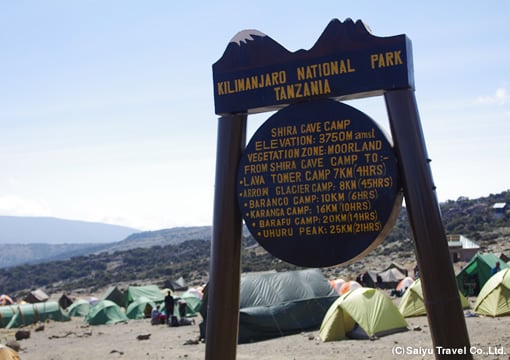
<point>494,298</point>
<point>361,313</point>
<point>6,353</point>
<point>412,303</point>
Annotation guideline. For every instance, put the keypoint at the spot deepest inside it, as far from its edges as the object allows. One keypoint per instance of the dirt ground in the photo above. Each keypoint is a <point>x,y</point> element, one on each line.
<point>138,339</point>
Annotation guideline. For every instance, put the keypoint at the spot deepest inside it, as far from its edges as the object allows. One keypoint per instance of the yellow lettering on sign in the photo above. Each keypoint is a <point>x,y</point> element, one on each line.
<point>301,90</point>
<point>322,186</point>
<point>285,165</point>
<point>314,175</point>
<point>330,68</point>
<point>367,227</point>
<point>283,232</point>
<point>311,128</point>
<point>313,230</point>
<point>289,177</point>
<point>284,131</point>
<point>387,59</point>
<point>254,192</point>
<point>253,180</point>
<point>267,223</point>
<point>337,124</point>
<point>309,220</point>
<point>292,189</point>
<point>304,199</point>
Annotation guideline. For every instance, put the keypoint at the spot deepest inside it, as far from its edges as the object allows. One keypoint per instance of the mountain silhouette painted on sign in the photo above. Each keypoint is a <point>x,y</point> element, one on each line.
<point>348,34</point>
<point>252,47</point>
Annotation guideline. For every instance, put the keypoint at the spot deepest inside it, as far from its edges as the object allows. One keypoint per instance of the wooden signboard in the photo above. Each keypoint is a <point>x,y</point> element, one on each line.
<point>318,184</point>
<point>320,174</point>
<point>257,74</point>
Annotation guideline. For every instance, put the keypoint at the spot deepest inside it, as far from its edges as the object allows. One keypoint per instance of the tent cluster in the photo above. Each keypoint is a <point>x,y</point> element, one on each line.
<point>475,278</point>
<point>387,278</point>
<point>279,304</point>
<point>33,308</point>
<point>276,304</point>
<point>368,312</point>
<point>136,302</point>
<point>392,277</point>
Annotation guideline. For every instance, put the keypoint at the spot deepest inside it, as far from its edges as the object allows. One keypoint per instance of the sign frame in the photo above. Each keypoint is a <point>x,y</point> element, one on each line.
<point>246,52</point>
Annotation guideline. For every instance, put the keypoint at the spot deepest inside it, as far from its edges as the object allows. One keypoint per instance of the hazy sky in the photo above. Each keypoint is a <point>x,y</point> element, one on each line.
<point>107,113</point>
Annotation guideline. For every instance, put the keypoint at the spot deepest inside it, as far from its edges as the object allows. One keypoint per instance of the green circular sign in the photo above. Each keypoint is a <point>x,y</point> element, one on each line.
<point>318,184</point>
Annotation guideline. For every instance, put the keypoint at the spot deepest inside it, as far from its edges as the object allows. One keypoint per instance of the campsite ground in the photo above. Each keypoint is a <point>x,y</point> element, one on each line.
<point>78,341</point>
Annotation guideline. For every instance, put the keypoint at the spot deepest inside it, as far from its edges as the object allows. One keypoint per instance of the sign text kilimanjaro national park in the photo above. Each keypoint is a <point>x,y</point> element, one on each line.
<point>257,74</point>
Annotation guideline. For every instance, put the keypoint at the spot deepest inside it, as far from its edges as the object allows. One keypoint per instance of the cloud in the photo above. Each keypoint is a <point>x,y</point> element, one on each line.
<point>12,205</point>
<point>501,97</point>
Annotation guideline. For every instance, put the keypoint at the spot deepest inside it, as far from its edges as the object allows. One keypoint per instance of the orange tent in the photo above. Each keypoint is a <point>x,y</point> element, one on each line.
<point>337,284</point>
<point>349,286</point>
<point>404,283</point>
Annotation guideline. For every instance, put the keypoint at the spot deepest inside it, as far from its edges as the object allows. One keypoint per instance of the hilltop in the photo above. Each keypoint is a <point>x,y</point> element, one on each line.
<point>48,230</point>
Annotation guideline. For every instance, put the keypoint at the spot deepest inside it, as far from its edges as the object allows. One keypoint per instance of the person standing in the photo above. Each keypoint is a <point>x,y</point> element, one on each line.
<point>496,268</point>
<point>169,306</point>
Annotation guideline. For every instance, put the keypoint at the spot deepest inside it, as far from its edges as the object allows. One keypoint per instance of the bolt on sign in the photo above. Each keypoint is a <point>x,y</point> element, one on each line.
<point>318,183</point>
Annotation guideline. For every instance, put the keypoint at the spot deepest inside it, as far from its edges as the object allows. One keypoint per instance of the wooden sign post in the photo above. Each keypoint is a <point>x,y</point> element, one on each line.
<point>319,172</point>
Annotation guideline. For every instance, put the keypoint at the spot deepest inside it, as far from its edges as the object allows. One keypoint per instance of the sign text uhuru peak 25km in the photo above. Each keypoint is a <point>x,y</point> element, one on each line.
<point>318,184</point>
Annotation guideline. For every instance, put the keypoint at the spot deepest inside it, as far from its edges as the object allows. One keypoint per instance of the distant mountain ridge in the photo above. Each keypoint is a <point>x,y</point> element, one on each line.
<point>48,230</point>
<point>27,247</point>
<point>473,218</point>
<point>164,237</point>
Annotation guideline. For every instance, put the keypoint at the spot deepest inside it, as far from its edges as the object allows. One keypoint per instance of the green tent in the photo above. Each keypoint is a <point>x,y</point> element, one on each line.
<point>150,292</point>
<point>193,304</point>
<point>279,304</point>
<point>27,314</point>
<point>105,312</point>
<point>475,274</point>
<point>114,294</point>
<point>6,314</point>
<point>494,298</point>
<point>140,308</point>
<point>79,308</point>
<point>361,313</point>
<point>412,303</point>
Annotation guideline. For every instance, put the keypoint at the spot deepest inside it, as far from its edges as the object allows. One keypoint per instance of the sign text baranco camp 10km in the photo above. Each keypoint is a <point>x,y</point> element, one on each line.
<point>319,178</point>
